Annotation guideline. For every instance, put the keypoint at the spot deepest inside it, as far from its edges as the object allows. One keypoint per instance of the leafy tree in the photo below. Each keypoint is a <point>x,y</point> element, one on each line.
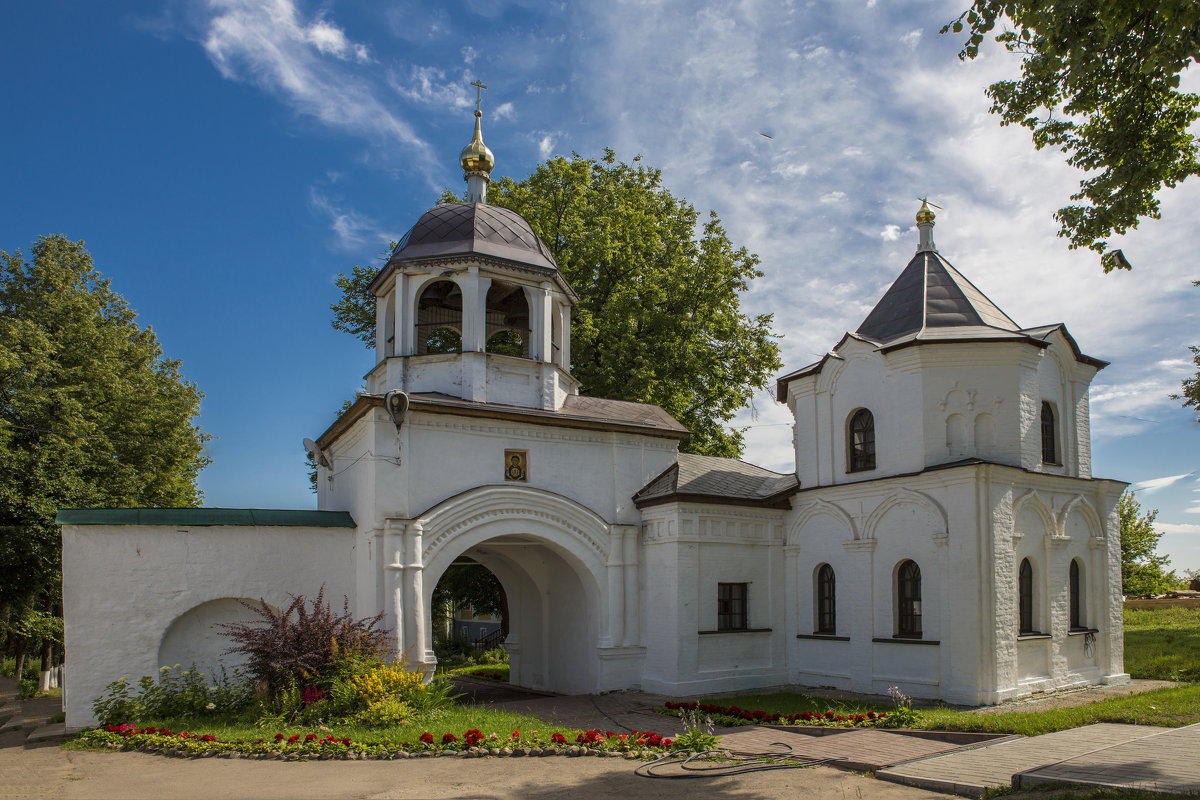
<point>1143,570</point>
<point>1191,386</point>
<point>659,317</point>
<point>1100,79</point>
<point>91,414</point>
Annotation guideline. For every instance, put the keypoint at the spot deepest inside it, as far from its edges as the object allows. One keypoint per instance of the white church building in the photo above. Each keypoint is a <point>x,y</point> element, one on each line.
<point>942,531</point>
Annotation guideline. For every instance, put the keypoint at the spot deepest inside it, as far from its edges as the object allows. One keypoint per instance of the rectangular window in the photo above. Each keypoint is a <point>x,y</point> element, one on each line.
<point>731,606</point>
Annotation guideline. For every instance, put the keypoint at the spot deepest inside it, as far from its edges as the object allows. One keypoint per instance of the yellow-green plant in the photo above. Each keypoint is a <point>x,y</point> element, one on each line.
<point>385,683</point>
<point>385,713</point>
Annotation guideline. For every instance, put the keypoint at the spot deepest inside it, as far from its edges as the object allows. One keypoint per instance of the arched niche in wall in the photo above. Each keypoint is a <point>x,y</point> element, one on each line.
<point>956,435</point>
<point>907,514</point>
<point>508,327</point>
<point>1033,518</point>
<point>821,521</point>
<point>193,638</point>
<point>439,319</point>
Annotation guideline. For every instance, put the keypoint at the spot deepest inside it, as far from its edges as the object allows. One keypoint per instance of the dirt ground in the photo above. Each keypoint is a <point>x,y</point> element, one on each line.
<point>49,772</point>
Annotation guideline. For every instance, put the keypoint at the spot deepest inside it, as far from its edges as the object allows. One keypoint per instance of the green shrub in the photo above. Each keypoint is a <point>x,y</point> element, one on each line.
<point>178,693</point>
<point>385,713</point>
<point>497,655</point>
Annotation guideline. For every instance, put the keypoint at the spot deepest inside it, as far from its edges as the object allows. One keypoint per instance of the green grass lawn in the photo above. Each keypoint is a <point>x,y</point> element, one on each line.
<point>494,672</point>
<point>795,703</point>
<point>1163,643</point>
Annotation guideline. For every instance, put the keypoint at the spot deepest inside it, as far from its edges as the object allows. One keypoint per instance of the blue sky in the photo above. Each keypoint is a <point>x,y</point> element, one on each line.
<point>225,159</point>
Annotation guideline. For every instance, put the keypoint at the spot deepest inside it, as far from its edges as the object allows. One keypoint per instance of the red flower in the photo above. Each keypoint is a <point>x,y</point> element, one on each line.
<point>279,737</point>
<point>829,715</point>
<point>310,737</point>
<point>150,730</point>
<point>668,742</point>
<point>426,737</point>
<point>558,738</point>
<point>293,739</point>
<point>448,738</point>
<point>208,738</point>
<point>346,741</point>
<point>516,734</point>
<point>260,741</point>
<point>870,715</point>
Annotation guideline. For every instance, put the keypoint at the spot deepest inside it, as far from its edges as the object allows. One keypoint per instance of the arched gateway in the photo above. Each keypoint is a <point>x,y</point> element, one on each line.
<point>562,566</point>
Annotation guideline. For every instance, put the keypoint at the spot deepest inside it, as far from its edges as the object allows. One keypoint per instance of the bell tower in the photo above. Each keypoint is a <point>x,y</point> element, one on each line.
<point>471,303</point>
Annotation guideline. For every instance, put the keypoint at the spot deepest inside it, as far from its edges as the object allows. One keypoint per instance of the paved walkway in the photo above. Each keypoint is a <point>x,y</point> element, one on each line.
<point>970,772</point>
<point>1167,762</point>
<point>861,749</point>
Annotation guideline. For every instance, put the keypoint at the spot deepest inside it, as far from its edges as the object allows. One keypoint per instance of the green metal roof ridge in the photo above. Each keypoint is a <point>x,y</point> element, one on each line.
<point>242,517</point>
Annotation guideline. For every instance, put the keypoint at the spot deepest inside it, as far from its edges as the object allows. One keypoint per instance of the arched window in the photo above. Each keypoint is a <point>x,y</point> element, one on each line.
<point>438,328</point>
<point>1025,592</point>
<point>1077,621</point>
<point>908,600</point>
<point>826,600</point>
<point>508,329</point>
<point>861,439</point>
<point>1049,437</point>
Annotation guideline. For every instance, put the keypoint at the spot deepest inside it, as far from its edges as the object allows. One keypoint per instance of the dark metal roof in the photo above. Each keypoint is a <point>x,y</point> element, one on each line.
<point>930,293</point>
<point>473,228</point>
<point>198,517</point>
<point>708,479</point>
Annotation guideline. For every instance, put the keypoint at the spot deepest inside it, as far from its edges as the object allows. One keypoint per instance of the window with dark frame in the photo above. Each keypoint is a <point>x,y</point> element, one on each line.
<point>826,601</point>
<point>1025,592</point>
<point>862,441</point>
<point>908,597</point>
<point>1049,438</point>
<point>731,606</point>
<point>1076,601</point>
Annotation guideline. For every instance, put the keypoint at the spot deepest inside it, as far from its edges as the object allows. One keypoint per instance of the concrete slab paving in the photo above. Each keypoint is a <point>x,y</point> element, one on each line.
<point>862,749</point>
<point>970,772</point>
<point>1166,762</point>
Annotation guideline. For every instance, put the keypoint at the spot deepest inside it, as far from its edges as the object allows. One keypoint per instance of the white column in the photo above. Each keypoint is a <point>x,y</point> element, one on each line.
<point>564,337</point>
<point>632,631</point>
<point>393,582</point>
<point>381,326</point>
<point>544,335</point>
<point>474,324</point>
<point>403,320</point>
<point>418,651</point>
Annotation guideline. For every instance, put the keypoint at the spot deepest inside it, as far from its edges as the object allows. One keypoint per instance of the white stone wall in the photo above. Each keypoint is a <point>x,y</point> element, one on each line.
<point>131,593</point>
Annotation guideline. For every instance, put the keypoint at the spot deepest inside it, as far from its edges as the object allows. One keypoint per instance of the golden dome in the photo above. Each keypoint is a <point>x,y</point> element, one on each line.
<point>476,157</point>
<point>925,214</point>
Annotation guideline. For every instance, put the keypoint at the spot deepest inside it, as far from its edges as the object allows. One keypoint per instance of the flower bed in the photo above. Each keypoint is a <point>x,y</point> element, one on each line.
<point>740,716</point>
<point>311,746</point>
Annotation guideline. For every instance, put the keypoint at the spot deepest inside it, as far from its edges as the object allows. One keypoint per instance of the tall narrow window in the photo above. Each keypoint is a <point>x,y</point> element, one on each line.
<point>1076,597</point>
<point>826,600</point>
<point>908,600</point>
<point>1049,438</point>
<point>731,607</point>
<point>1025,590</point>
<point>862,441</point>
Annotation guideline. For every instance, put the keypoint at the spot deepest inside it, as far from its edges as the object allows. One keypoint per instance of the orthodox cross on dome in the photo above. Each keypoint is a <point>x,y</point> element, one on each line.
<point>479,87</point>
<point>476,159</point>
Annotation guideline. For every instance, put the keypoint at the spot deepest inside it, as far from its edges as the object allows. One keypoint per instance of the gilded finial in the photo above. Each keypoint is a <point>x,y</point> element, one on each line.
<point>925,214</point>
<point>476,159</point>
<point>925,218</point>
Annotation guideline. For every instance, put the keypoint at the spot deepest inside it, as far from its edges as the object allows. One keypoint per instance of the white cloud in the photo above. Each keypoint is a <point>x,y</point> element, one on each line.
<point>352,230</point>
<point>912,38</point>
<point>791,170</point>
<point>307,63</point>
<point>546,146</point>
<point>504,111</point>
<point>1154,484</point>
<point>890,233</point>
<point>1177,527</point>
<point>833,197</point>
<point>469,54</point>
<point>430,86</point>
